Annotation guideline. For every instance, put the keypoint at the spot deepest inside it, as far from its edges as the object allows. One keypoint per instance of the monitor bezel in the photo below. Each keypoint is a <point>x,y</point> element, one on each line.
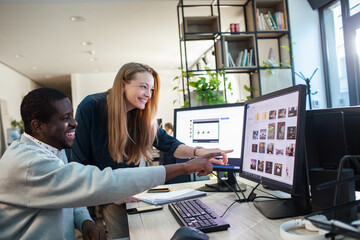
<point>227,105</point>
<point>299,173</point>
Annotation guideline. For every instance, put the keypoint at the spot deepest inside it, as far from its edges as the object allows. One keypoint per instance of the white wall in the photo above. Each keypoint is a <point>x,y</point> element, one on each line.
<point>13,87</point>
<point>85,84</point>
<point>305,31</point>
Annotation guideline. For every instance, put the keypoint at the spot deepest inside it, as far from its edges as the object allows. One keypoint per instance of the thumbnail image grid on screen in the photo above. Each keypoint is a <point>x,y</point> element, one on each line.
<point>270,139</point>
<point>215,126</point>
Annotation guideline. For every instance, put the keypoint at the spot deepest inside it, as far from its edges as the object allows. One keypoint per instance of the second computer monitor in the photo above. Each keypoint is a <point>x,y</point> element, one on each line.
<point>273,149</point>
<point>215,126</point>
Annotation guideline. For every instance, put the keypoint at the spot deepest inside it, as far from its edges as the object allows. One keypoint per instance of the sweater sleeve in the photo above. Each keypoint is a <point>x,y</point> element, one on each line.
<point>36,179</point>
<point>165,142</point>
<point>80,215</point>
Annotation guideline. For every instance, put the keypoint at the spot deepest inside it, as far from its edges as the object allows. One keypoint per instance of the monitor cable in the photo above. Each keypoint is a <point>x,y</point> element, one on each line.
<point>228,185</point>
<point>228,208</point>
<point>252,196</point>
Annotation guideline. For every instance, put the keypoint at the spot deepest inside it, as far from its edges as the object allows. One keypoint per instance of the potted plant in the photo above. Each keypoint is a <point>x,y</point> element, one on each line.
<point>14,133</point>
<point>205,89</point>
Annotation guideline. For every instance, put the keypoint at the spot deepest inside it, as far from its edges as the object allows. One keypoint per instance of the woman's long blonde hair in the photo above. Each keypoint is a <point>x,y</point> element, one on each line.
<point>131,134</point>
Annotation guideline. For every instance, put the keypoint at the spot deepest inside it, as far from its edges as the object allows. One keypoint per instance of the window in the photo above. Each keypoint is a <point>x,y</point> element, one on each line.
<point>340,23</point>
<point>354,6</point>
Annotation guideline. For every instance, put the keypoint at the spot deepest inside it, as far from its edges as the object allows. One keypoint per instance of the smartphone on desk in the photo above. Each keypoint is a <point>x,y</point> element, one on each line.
<point>157,190</point>
<point>143,209</point>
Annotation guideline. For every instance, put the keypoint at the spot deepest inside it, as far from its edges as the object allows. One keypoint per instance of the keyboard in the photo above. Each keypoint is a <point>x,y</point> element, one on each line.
<point>194,213</point>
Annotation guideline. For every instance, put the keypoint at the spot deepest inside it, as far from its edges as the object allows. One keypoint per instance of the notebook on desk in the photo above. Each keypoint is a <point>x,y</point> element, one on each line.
<point>163,198</point>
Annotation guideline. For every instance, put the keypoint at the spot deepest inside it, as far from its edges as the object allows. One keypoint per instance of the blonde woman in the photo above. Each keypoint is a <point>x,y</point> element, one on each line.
<point>118,128</point>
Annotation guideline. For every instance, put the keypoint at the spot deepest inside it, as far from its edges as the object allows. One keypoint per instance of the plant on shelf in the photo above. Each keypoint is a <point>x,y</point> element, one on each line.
<point>207,88</point>
<point>178,89</point>
<point>249,89</point>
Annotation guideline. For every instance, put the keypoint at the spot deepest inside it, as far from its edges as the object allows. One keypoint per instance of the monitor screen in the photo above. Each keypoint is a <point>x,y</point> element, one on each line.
<point>273,140</point>
<point>215,126</point>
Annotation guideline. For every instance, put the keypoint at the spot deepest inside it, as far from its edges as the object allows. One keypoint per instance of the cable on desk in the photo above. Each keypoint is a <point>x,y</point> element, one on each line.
<point>228,208</point>
<point>252,195</point>
<point>240,200</point>
<point>274,198</point>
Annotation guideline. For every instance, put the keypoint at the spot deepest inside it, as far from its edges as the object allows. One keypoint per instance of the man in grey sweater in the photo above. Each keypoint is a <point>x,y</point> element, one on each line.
<point>42,196</point>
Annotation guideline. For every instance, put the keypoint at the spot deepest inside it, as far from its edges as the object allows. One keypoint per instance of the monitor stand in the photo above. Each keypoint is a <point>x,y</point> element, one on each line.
<point>282,208</point>
<point>220,186</point>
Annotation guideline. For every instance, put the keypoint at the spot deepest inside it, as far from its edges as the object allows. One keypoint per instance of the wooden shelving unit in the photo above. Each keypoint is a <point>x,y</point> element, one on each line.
<point>268,47</point>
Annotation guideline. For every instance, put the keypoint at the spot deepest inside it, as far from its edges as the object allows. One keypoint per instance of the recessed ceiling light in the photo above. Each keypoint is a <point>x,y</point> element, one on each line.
<point>18,55</point>
<point>77,19</point>
<point>85,43</point>
<point>35,68</point>
<point>93,59</point>
<point>91,52</point>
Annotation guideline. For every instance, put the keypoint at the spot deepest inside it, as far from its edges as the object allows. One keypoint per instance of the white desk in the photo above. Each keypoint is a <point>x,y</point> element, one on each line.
<point>246,222</point>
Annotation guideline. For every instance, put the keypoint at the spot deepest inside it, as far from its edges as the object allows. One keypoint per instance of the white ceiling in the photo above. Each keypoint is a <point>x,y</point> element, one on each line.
<point>50,45</point>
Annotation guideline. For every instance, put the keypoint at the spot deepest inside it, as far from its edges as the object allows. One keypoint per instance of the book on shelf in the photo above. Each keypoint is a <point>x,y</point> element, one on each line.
<point>239,58</point>
<point>244,60</point>
<point>263,26</point>
<point>258,19</point>
<point>272,20</point>
<point>250,60</point>
<point>231,60</point>
<point>226,52</point>
<point>268,21</point>
<point>279,16</point>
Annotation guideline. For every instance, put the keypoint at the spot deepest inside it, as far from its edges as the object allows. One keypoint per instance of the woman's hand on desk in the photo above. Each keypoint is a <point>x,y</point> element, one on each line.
<point>128,200</point>
<point>223,161</point>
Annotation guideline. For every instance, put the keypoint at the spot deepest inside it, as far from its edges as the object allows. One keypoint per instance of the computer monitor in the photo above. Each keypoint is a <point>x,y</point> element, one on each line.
<point>325,125</point>
<point>273,149</point>
<point>214,126</point>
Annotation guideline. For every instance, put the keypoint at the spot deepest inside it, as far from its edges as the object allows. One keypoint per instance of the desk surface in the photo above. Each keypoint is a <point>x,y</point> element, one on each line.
<point>244,219</point>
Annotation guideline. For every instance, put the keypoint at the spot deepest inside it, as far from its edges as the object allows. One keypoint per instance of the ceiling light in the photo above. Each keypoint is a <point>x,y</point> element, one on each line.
<point>77,19</point>
<point>93,59</point>
<point>91,52</point>
<point>35,68</point>
<point>85,43</point>
<point>18,55</point>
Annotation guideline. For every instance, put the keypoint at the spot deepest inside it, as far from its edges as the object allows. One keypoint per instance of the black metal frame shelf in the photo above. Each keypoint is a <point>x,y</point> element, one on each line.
<point>249,16</point>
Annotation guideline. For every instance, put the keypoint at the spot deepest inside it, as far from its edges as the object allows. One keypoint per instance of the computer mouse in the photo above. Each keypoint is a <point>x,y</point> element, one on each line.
<point>188,233</point>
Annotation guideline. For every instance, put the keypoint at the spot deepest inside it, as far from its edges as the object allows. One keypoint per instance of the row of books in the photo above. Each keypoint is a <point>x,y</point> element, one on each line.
<point>268,21</point>
<point>245,58</point>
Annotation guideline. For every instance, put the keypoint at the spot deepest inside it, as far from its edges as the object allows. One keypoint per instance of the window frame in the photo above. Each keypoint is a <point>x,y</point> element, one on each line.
<point>350,24</point>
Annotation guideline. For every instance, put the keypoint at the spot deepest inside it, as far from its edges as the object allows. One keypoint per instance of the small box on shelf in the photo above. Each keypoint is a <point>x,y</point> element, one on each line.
<point>204,27</point>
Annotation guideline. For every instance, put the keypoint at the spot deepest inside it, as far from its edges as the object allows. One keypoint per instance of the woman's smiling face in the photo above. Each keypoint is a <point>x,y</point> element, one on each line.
<point>139,91</point>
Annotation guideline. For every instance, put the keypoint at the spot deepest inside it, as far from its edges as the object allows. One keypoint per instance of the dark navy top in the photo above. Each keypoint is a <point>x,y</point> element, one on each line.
<point>91,137</point>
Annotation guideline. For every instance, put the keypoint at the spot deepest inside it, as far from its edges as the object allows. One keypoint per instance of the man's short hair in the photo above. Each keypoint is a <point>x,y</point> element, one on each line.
<point>39,104</point>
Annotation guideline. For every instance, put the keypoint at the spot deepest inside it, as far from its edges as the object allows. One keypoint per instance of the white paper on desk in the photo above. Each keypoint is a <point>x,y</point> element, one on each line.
<point>162,198</point>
